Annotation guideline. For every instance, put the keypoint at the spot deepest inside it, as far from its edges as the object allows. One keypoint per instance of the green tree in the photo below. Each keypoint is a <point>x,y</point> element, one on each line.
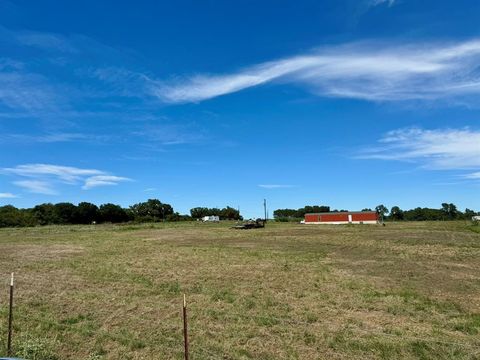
<point>86,213</point>
<point>468,214</point>
<point>113,213</point>
<point>200,212</point>
<point>285,214</point>
<point>424,214</point>
<point>10,216</point>
<point>64,213</point>
<point>311,209</point>
<point>450,211</point>
<point>229,213</point>
<point>396,213</point>
<point>151,210</point>
<point>45,214</point>
<point>381,209</point>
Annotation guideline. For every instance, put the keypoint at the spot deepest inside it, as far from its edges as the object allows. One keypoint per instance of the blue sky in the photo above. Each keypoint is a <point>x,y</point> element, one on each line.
<point>348,103</point>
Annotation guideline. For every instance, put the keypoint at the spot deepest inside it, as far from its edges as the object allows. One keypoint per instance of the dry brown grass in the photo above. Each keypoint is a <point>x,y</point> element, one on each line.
<point>407,290</point>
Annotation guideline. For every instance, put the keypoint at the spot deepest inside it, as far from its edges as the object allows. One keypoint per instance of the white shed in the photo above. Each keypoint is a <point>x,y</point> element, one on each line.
<point>211,218</point>
<point>476,218</point>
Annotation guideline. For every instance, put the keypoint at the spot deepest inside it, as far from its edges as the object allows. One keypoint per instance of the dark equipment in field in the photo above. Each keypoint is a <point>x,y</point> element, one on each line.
<point>254,224</point>
<point>251,224</point>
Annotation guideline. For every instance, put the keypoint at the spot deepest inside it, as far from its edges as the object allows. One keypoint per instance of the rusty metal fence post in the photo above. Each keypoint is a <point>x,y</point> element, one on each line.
<point>10,319</point>
<point>185,326</point>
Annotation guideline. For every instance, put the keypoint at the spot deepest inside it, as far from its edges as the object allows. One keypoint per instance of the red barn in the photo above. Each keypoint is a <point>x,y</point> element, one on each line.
<point>348,217</point>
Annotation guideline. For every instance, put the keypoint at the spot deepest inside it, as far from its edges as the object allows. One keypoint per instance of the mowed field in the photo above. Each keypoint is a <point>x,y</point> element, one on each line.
<point>289,291</point>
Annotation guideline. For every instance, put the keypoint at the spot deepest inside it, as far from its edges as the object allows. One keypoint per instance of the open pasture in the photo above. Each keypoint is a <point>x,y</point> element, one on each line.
<point>289,291</point>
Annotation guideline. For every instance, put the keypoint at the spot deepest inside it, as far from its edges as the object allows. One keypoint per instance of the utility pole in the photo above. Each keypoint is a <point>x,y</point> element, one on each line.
<point>265,209</point>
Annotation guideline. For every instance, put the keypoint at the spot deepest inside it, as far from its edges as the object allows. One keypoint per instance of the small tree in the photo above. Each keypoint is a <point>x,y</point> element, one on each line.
<point>450,211</point>
<point>381,210</point>
<point>396,213</point>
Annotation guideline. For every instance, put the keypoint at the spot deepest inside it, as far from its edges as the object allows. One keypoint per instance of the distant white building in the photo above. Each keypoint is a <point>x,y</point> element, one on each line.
<point>211,218</point>
<point>476,218</point>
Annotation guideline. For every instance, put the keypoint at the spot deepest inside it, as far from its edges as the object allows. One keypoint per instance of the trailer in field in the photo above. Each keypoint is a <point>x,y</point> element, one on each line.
<point>211,218</point>
<point>344,217</point>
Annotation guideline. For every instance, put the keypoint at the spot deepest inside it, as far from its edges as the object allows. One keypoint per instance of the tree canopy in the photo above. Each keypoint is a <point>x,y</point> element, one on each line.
<point>448,211</point>
<point>227,213</point>
<point>155,210</point>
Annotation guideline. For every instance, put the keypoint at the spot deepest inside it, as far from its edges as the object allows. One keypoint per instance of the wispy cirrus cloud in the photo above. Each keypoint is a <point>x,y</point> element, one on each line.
<point>6,195</point>
<point>102,180</point>
<point>437,149</point>
<point>38,39</point>
<point>28,91</point>
<point>381,2</point>
<point>170,134</point>
<point>64,173</point>
<point>37,186</point>
<point>275,186</point>
<point>475,175</point>
<point>46,41</point>
<point>54,137</point>
<point>35,87</point>
<point>370,71</point>
<point>46,178</point>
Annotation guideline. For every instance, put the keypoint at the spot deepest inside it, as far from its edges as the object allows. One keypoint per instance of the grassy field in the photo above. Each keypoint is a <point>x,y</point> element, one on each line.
<point>406,290</point>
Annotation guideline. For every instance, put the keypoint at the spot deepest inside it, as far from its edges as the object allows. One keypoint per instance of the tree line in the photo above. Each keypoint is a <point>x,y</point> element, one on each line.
<point>448,211</point>
<point>152,210</point>
<point>227,213</point>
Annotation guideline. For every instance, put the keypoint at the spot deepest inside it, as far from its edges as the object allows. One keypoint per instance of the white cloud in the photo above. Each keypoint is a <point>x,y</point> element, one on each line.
<point>166,134</point>
<point>7,196</point>
<point>275,186</point>
<point>36,186</point>
<point>380,2</point>
<point>438,149</point>
<point>28,91</point>
<point>370,71</point>
<point>475,175</point>
<point>54,137</point>
<point>102,180</point>
<point>45,178</point>
<point>64,173</point>
<point>46,41</point>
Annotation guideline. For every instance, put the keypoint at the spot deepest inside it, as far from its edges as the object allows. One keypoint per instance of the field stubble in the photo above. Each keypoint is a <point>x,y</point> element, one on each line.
<point>406,290</point>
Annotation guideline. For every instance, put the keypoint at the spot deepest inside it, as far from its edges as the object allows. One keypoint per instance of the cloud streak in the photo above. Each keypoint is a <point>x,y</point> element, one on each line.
<point>7,196</point>
<point>438,149</point>
<point>36,187</point>
<point>368,71</point>
<point>275,186</point>
<point>102,180</point>
<point>27,91</point>
<point>55,137</point>
<point>46,178</point>
<point>373,3</point>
